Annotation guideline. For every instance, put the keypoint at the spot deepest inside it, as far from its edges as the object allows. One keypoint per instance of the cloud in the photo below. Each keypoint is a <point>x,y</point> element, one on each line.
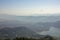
<point>30,11</point>
<point>52,31</point>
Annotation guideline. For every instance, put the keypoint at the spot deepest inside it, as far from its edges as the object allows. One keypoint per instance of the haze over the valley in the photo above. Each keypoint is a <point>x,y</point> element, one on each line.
<point>40,16</point>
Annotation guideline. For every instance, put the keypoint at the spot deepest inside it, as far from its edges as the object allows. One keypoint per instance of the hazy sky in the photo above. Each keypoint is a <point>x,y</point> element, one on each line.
<point>29,7</point>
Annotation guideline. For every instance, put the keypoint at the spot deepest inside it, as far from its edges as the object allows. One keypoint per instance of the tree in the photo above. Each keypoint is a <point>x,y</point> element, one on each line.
<point>7,39</point>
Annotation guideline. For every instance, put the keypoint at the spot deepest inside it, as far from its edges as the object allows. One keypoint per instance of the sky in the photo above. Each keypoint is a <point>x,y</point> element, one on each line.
<point>29,7</point>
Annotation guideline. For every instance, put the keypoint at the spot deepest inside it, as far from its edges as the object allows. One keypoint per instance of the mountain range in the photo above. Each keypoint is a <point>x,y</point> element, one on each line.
<point>35,23</point>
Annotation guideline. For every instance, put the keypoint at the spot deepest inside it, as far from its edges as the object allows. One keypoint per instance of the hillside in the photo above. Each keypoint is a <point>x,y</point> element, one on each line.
<point>18,32</point>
